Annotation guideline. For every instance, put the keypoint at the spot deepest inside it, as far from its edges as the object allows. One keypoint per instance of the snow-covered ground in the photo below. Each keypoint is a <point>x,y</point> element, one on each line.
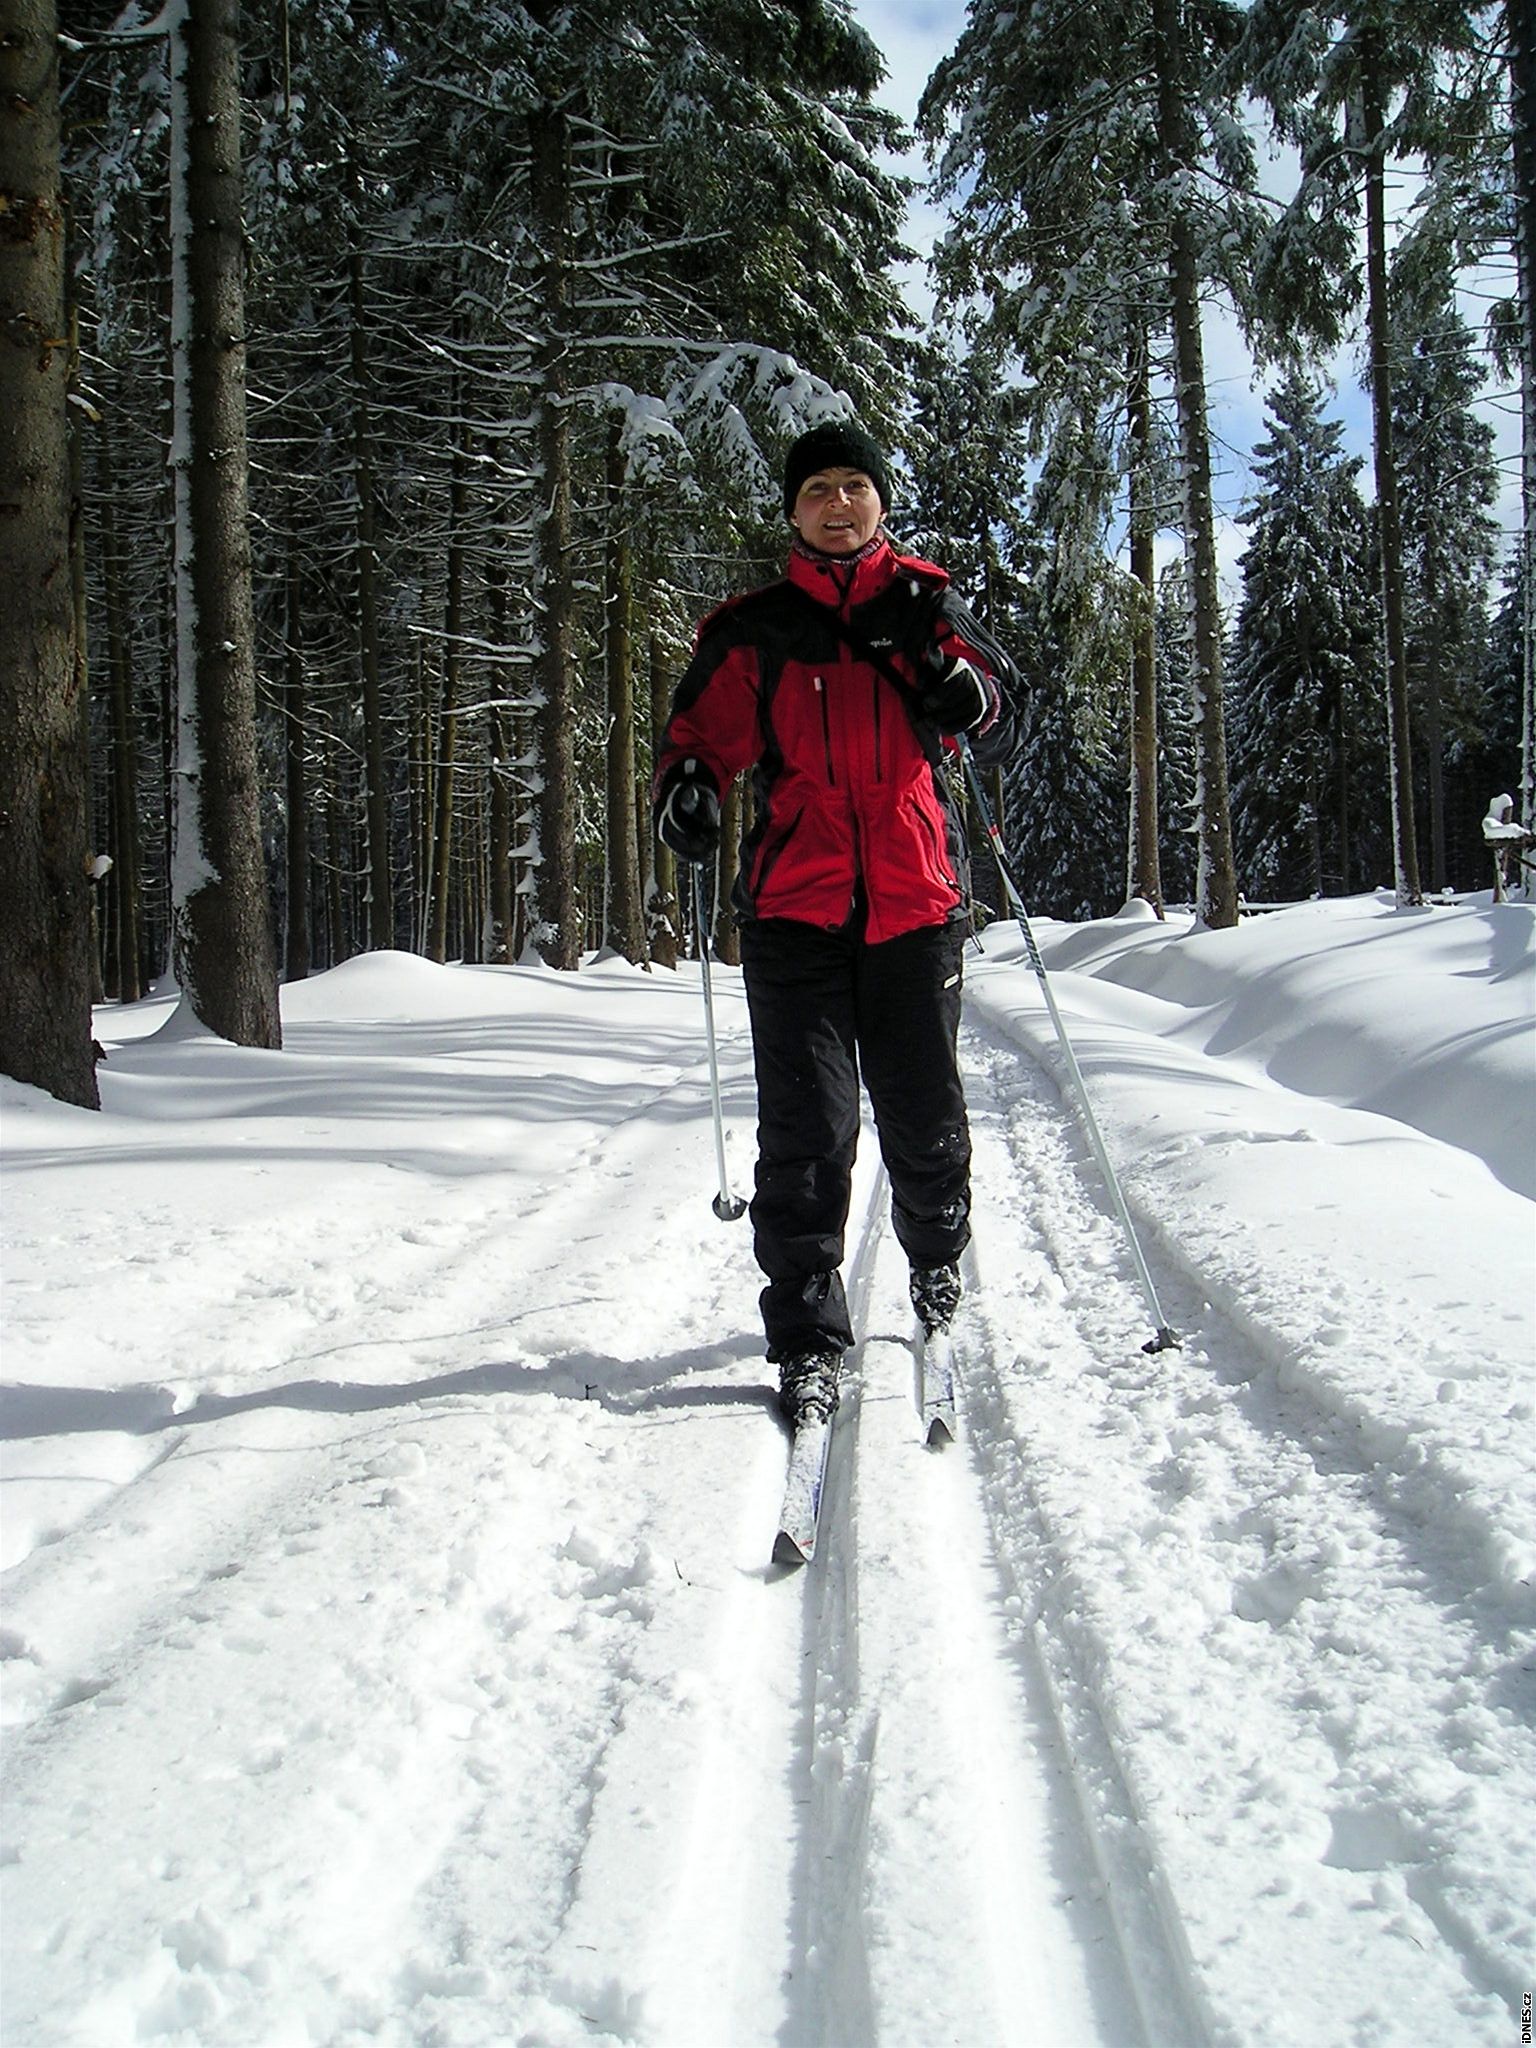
<point>390,1648</point>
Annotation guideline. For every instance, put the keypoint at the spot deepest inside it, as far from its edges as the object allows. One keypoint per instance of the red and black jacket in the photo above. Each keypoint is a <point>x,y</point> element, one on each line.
<point>849,783</point>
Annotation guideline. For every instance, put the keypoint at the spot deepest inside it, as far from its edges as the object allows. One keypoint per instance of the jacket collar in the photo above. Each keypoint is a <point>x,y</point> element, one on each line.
<point>843,581</point>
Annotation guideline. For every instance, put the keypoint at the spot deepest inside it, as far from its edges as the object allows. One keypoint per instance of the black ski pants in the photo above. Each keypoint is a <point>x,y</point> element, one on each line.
<point>825,1005</point>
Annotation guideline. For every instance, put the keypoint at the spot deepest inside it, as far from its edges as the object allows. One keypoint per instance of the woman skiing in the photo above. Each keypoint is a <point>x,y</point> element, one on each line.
<point>844,687</point>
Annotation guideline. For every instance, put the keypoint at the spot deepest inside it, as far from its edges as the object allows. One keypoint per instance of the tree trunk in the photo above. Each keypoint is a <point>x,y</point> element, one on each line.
<point>1216,882</point>
<point>661,908</point>
<point>80,631</point>
<point>1389,524</point>
<point>1522,44</point>
<point>297,947</point>
<point>727,937</point>
<point>423,783</point>
<point>45,909</point>
<point>339,859</point>
<point>1434,729</point>
<point>448,709</point>
<point>626,924</point>
<point>222,927</point>
<point>1145,878</point>
<point>501,936</point>
<point>1343,823</point>
<point>560,925</point>
<point>381,893</point>
<point>126,877</point>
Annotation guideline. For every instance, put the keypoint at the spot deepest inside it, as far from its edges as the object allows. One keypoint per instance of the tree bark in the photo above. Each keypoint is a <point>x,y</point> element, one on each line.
<point>727,935</point>
<point>1433,703</point>
<point>448,709</point>
<point>1216,902</point>
<point>1522,44</point>
<point>1145,879</point>
<point>1389,522</point>
<point>662,919</point>
<point>126,883</point>
<point>221,922</point>
<point>500,907</point>
<point>381,893</point>
<point>297,943</point>
<point>560,922</point>
<point>626,923</point>
<point>46,963</point>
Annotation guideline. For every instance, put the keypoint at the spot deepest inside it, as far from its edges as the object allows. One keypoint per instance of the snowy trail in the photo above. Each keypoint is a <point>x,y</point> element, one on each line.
<point>847,1819</point>
<point>1165,1519</point>
<point>937,1714</point>
<point>391,1651</point>
<point>434,1740</point>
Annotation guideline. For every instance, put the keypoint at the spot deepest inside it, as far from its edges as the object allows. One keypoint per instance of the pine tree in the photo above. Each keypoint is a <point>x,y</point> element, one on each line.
<point>966,449</point>
<point>1105,180</point>
<point>1355,85</point>
<point>1449,483</point>
<point>1300,670</point>
<point>1063,802</point>
<point>411,332</point>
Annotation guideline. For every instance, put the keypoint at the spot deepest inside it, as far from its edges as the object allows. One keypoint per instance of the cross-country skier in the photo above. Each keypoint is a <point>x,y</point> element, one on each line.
<point>853,886</point>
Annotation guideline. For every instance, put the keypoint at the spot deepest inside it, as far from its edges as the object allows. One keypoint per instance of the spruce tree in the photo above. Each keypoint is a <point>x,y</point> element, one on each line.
<point>1105,180</point>
<point>1449,483</point>
<point>1301,670</point>
<point>1356,85</point>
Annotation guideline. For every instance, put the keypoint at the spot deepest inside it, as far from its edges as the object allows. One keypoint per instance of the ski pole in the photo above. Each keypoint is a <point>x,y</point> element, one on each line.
<point>1166,1338</point>
<point>725,1205</point>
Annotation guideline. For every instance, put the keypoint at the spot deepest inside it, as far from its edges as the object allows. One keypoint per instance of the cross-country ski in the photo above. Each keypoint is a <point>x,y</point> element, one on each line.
<point>804,1488</point>
<point>936,1385</point>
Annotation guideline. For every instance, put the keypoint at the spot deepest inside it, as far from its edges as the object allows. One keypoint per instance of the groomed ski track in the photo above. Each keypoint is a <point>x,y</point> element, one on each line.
<point>597,1771</point>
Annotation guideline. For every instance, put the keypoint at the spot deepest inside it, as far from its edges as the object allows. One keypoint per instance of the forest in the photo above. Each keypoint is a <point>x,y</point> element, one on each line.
<point>390,386</point>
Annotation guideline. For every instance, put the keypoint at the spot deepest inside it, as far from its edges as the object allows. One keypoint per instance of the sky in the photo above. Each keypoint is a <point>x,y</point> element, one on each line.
<point>913,36</point>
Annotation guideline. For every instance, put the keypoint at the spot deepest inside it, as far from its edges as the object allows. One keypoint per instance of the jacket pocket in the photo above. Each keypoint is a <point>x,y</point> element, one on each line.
<point>934,854</point>
<point>771,852</point>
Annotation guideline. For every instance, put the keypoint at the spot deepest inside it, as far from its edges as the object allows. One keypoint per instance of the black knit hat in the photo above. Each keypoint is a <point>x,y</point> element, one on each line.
<point>835,444</point>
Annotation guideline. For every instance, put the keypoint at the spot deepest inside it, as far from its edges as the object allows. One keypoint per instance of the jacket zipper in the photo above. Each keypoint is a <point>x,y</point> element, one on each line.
<point>826,729</point>
<point>879,769</point>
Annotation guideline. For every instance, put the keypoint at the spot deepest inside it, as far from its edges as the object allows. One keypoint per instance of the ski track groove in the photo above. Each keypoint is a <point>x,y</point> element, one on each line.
<point>1222,1419</point>
<point>412,1829</point>
<point>732,1738</point>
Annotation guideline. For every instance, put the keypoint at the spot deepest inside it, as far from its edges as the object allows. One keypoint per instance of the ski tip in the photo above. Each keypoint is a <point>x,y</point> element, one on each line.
<point>941,1430</point>
<point>787,1551</point>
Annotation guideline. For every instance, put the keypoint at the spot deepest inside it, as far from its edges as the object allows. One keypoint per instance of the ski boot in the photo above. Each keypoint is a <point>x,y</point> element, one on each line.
<point>935,1295</point>
<point>808,1386</point>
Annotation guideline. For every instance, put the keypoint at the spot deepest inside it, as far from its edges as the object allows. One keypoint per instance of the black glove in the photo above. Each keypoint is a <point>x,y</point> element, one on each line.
<point>951,693</point>
<point>688,816</point>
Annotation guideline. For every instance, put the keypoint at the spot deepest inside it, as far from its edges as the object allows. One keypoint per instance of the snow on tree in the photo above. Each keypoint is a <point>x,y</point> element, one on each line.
<point>1356,86</point>
<point>1178,778</point>
<point>1104,179</point>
